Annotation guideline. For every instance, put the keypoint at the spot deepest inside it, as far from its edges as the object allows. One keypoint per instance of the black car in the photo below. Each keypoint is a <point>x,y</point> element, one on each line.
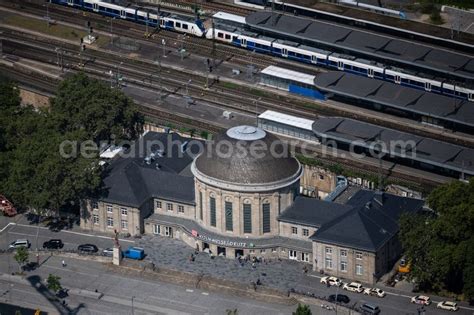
<point>341,298</point>
<point>53,244</point>
<point>88,248</point>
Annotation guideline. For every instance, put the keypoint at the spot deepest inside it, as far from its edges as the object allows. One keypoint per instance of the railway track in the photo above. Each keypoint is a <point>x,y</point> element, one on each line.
<point>135,76</point>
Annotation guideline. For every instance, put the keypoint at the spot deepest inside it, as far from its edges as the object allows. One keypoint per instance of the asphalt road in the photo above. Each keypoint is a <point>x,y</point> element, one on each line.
<point>85,274</point>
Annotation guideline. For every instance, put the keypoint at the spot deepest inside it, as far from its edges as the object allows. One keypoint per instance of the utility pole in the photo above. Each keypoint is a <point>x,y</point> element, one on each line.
<point>111,31</point>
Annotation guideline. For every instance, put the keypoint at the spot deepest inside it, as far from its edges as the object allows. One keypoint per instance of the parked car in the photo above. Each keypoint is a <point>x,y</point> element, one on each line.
<point>371,309</point>
<point>88,248</point>
<point>108,252</point>
<point>19,243</point>
<point>53,244</point>
<point>331,281</point>
<point>341,298</point>
<point>421,299</point>
<point>375,292</point>
<point>448,305</point>
<point>353,287</point>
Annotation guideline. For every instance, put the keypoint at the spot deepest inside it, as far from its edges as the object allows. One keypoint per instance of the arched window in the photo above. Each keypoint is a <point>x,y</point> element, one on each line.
<point>212,208</point>
<point>247,216</point>
<point>266,226</point>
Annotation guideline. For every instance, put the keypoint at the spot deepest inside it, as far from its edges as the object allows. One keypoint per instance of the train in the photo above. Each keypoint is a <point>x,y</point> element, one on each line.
<point>230,29</point>
<point>374,8</point>
<point>141,15</point>
<point>227,32</point>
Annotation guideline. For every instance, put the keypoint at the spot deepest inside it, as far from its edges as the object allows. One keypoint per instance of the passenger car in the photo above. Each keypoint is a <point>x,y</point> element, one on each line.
<point>353,287</point>
<point>421,299</point>
<point>331,280</point>
<point>341,298</point>
<point>53,244</point>
<point>88,248</point>
<point>108,252</point>
<point>371,309</point>
<point>448,305</point>
<point>375,292</point>
<point>19,243</point>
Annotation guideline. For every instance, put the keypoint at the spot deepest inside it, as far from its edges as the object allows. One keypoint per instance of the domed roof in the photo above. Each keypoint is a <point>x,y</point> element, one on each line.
<point>247,155</point>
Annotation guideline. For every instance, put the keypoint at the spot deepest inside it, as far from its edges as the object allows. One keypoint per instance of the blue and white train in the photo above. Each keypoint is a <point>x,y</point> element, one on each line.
<point>230,30</point>
<point>146,16</point>
<point>226,31</point>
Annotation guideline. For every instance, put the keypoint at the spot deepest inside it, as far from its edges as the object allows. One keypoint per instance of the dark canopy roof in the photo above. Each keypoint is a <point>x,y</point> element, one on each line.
<point>363,42</point>
<point>397,96</point>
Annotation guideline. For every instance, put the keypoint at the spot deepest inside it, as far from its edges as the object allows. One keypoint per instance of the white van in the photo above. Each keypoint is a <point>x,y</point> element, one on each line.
<point>20,243</point>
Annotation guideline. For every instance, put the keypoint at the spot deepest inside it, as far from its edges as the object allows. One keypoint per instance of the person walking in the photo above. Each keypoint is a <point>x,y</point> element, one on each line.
<point>63,263</point>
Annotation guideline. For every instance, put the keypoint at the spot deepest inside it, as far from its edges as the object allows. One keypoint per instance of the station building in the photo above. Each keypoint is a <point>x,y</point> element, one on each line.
<point>240,195</point>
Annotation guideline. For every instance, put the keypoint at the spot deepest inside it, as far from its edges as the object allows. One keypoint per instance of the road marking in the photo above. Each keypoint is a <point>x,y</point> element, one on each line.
<point>189,290</point>
<point>77,233</point>
<point>396,294</point>
<point>314,276</point>
<point>6,226</point>
<point>205,293</point>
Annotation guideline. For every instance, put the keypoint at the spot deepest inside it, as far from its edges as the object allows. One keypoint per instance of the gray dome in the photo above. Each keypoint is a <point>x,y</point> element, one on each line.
<point>247,155</point>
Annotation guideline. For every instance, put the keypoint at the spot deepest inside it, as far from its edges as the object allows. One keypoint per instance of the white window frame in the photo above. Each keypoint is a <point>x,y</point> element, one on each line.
<point>343,253</point>
<point>340,65</point>
<point>95,7</point>
<point>168,231</point>
<point>124,224</point>
<point>359,269</point>
<point>110,222</point>
<point>343,262</point>
<point>328,263</point>
<point>96,219</point>
<point>314,59</point>
<point>159,204</point>
<point>180,209</point>
<point>243,42</point>
<point>294,230</point>
<point>94,205</point>
<point>124,211</point>
<point>156,229</point>
<point>169,206</point>
<point>284,52</point>
<point>123,14</point>
<point>292,254</point>
<point>110,209</point>
<point>305,232</point>
<point>305,257</point>
<point>328,250</point>
<point>358,255</point>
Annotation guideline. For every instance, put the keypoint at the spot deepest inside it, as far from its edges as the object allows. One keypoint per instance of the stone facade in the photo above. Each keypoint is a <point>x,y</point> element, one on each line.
<point>345,262</point>
<point>106,217</point>
<point>317,182</point>
<point>277,200</point>
<point>296,231</point>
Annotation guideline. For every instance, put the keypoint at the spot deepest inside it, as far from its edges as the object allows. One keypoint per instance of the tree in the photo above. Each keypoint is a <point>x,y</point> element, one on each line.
<point>53,283</point>
<point>439,244</point>
<point>232,312</point>
<point>302,309</point>
<point>21,256</point>
<point>83,103</point>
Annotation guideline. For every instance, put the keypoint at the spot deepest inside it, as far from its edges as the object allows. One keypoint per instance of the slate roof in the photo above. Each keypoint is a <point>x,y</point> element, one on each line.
<point>430,151</point>
<point>312,212</point>
<point>372,221</point>
<point>130,181</point>
<point>397,96</point>
<point>365,43</point>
